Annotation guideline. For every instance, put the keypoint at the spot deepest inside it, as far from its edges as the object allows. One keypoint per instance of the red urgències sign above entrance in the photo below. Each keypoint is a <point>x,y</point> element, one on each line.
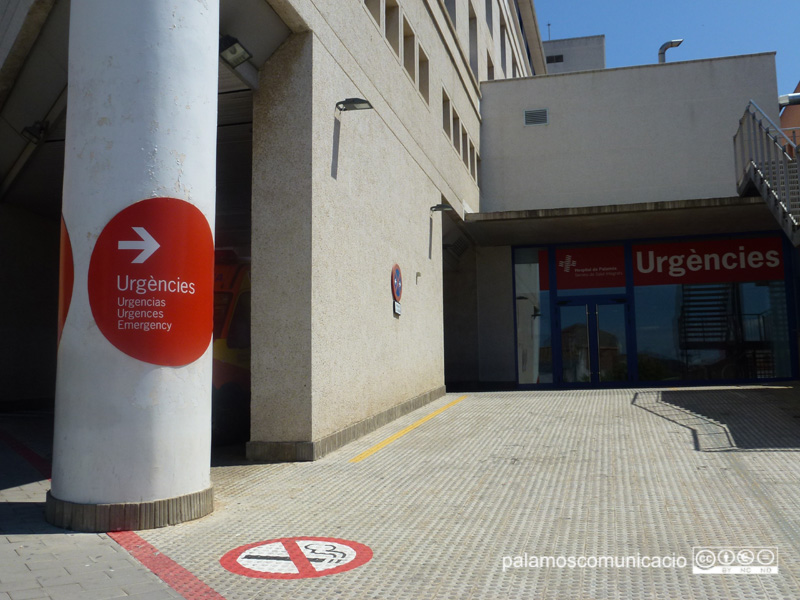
<point>703,261</point>
<point>708,261</point>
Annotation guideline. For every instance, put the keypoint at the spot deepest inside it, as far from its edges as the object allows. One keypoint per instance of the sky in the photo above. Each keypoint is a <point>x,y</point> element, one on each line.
<point>635,29</point>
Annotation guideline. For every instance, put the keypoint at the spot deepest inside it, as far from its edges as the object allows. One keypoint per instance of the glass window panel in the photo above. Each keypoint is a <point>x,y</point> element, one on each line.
<point>613,356</point>
<point>575,365</point>
<point>716,331</point>
<point>534,341</point>
<point>765,329</point>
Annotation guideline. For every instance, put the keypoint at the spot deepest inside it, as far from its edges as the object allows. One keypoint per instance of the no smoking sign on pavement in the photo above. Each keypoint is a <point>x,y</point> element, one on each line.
<point>296,558</point>
<point>151,279</point>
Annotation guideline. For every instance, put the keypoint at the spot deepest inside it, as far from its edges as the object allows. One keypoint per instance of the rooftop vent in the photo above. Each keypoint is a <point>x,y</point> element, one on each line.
<point>536,116</point>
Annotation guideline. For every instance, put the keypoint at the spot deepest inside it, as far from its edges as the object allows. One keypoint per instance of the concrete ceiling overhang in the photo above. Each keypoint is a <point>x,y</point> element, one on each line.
<point>621,222</point>
<point>35,92</point>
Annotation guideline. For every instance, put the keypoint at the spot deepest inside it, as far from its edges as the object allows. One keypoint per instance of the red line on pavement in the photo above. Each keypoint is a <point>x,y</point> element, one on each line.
<point>37,462</point>
<point>174,575</point>
<point>166,569</point>
<point>299,559</point>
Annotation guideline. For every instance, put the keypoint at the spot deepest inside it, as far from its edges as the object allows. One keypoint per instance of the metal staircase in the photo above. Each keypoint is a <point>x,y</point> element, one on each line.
<point>705,320</point>
<point>711,318</point>
<point>766,161</point>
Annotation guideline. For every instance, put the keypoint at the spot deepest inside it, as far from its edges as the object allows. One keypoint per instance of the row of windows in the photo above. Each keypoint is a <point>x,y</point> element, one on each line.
<point>505,48</point>
<point>392,22</point>
<point>457,133</point>
<point>401,38</point>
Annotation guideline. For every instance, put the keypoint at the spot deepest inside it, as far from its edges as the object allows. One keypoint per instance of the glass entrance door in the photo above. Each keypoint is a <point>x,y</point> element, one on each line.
<point>593,340</point>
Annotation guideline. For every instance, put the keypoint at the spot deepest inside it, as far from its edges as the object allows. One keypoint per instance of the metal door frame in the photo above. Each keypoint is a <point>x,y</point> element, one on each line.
<point>591,303</point>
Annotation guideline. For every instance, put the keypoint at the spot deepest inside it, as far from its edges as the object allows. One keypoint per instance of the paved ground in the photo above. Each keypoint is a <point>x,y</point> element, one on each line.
<point>463,506</point>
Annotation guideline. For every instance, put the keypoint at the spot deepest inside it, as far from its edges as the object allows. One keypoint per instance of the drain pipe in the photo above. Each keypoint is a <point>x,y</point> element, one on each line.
<point>662,52</point>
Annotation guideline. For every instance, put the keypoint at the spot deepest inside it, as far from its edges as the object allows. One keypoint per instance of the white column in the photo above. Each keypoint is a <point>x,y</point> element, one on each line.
<point>141,124</point>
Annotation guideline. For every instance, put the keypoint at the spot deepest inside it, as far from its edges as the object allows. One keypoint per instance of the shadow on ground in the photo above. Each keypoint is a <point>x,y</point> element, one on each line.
<point>742,419</point>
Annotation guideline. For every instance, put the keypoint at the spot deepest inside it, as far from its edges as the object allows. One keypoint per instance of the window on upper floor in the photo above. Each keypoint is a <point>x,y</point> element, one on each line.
<point>503,42</point>
<point>409,50</point>
<point>423,74</point>
<point>489,15</point>
<point>447,117</point>
<point>392,22</point>
<point>374,7</point>
<point>489,67</point>
<point>473,41</point>
<point>465,146</point>
<point>456,132</point>
<point>555,58</point>
<point>472,166</point>
<point>451,9</point>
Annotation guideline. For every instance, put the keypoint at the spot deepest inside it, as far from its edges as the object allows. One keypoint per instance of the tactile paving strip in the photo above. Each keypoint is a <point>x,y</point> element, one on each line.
<point>548,474</point>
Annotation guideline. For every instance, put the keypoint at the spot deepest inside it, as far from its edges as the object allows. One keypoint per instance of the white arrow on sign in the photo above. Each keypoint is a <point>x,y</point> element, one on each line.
<point>147,245</point>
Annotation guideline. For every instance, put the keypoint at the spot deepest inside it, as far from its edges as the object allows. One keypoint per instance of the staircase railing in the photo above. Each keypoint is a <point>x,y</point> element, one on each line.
<point>767,160</point>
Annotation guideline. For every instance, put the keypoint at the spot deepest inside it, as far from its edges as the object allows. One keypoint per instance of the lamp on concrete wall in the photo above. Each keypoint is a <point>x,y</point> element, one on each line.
<point>35,133</point>
<point>235,56</point>
<point>440,208</point>
<point>353,104</point>
<point>232,51</point>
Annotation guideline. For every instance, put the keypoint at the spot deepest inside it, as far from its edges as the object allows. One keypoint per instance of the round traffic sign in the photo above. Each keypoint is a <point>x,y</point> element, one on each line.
<point>151,281</point>
<point>397,283</point>
<point>296,558</point>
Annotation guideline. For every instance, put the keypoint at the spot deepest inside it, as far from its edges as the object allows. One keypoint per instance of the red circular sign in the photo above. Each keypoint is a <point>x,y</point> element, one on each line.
<point>397,283</point>
<point>66,277</point>
<point>296,558</point>
<point>151,280</point>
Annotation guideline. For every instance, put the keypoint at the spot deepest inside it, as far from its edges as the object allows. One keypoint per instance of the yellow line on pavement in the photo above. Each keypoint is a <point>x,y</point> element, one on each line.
<point>402,432</point>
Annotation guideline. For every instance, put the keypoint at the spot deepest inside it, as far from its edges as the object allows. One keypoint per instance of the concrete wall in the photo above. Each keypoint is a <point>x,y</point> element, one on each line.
<point>281,245</point>
<point>461,320</point>
<point>620,136</point>
<point>371,206</point>
<point>578,54</point>
<point>496,352</point>
<point>338,199</point>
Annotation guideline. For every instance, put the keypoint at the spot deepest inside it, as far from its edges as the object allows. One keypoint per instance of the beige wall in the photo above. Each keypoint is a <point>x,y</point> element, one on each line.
<point>371,206</point>
<point>338,198</point>
<point>461,320</point>
<point>495,314</point>
<point>281,245</point>
<point>619,136</point>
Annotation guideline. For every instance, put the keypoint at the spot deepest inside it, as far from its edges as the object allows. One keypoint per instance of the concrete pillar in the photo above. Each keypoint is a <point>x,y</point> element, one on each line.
<point>281,404</point>
<point>133,393</point>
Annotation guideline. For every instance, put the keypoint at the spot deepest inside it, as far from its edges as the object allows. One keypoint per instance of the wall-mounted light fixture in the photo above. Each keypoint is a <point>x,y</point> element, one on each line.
<point>353,104</point>
<point>35,133</point>
<point>662,52</point>
<point>440,208</point>
<point>232,51</point>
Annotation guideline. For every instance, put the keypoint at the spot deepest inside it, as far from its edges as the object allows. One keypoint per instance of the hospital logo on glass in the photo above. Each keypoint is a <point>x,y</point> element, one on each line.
<point>567,263</point>
<point>730,560</point>
<point>590,267</point>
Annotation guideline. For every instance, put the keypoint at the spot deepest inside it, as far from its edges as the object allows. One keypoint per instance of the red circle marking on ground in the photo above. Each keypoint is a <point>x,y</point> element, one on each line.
<point>151,281</point>
<point>296,558</point>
